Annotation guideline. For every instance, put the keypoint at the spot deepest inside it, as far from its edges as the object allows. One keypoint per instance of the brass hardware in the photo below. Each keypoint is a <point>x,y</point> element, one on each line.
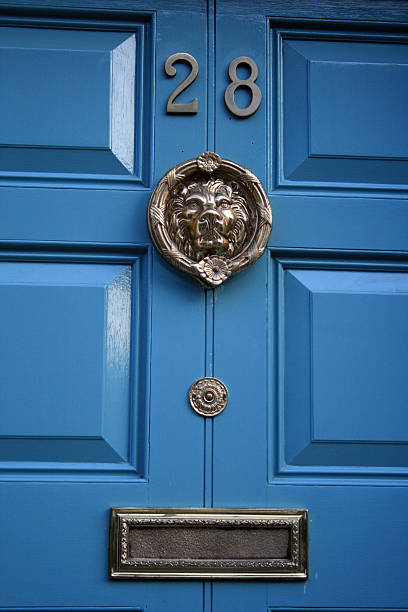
<point>249,83</point>
<point>210,217</point>
<point>189,107</point>
<point>208,396</point>
<point>207,543</point>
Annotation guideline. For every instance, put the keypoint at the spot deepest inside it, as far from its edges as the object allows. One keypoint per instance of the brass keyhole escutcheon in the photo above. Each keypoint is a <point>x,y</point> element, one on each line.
<point>208,396</point>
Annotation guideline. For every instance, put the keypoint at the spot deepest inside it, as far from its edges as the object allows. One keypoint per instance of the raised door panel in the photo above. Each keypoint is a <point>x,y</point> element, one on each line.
<point>58,413</point>
<point>344,350</point>
<point>344,120</point>
<point>94,120</point>
<point>85,123</point>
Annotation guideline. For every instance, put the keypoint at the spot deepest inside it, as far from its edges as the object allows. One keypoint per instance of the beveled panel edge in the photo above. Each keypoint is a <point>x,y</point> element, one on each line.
<point>121,567</point>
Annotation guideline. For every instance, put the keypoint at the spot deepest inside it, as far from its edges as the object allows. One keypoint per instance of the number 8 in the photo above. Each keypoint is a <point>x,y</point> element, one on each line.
<point>249,82</point>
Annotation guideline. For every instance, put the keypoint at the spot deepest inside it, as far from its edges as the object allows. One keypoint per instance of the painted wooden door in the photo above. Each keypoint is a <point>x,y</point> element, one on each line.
<point>101,340</point>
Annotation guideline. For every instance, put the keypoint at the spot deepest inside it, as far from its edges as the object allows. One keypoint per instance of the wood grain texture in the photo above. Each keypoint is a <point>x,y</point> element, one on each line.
<point>130,6</point>
<point>336,10</point>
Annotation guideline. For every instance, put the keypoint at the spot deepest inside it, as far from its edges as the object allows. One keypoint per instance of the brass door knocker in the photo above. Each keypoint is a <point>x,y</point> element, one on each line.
<point>210,217</point>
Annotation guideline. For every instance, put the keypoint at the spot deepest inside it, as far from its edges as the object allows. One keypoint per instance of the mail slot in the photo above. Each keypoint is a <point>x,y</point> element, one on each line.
<point>148,543</point>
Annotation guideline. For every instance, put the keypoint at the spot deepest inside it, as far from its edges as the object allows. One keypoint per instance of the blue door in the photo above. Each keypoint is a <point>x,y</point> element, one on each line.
<point>100,339</point>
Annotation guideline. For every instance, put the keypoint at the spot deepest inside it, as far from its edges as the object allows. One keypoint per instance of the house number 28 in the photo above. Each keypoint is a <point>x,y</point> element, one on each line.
<point>229,96</point>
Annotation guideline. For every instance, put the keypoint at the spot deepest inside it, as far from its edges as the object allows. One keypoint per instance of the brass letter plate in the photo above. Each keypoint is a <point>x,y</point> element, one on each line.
<point>185,543</point>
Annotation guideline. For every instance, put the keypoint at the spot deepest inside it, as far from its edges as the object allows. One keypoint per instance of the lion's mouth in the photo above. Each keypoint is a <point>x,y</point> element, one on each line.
<point>211,236</point>
<point>212,240</point>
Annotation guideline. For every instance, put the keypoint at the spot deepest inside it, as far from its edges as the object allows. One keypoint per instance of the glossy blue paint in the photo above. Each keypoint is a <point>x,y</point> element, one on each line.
<point>337,126</point>
<point>58,319</point>
<point>344,370</point>
<point>101,339</point>
<point>68,417</point>
<point>88,122</point>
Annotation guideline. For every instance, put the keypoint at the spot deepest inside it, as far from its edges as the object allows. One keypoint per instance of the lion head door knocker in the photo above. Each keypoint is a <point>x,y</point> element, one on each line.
<point>210,217</point>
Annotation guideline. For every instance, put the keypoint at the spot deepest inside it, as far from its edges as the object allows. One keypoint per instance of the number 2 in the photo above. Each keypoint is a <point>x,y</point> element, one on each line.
<point>189,107</point>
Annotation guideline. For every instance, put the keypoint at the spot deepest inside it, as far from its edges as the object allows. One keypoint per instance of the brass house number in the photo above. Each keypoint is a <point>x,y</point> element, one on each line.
<point>191,108</point>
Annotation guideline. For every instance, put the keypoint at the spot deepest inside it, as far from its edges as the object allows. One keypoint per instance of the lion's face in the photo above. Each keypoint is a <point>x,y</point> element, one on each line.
<point>208,218</point>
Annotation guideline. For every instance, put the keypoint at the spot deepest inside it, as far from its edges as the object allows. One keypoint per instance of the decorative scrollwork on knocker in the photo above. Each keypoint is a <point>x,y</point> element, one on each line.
<point>210,217</point>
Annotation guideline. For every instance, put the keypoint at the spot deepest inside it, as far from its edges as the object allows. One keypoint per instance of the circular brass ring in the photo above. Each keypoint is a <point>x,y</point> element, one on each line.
<point>210,217</point>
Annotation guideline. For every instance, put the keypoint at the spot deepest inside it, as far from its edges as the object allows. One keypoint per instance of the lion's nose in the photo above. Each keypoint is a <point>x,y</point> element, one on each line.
<point>210,217</point>
<point>209,213</point>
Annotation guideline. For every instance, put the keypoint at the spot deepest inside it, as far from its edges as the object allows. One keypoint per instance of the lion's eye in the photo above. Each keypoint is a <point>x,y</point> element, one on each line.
<point>223,204</point>
<point>193,204</point>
